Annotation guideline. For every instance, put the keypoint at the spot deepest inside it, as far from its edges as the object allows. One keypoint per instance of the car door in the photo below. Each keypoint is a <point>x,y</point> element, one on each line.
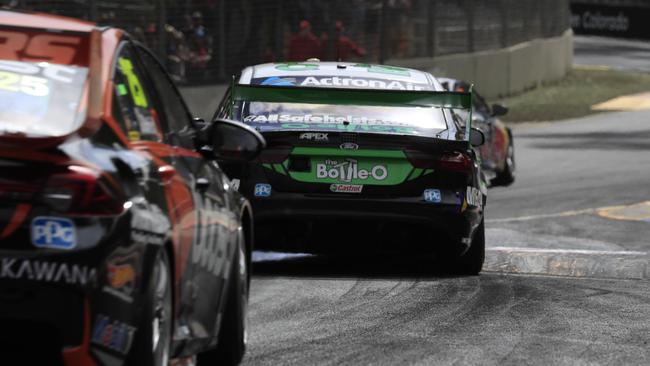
<point>214,234</point>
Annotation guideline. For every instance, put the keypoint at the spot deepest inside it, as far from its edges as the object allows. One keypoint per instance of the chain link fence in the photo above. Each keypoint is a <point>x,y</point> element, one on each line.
<point>203,41</point>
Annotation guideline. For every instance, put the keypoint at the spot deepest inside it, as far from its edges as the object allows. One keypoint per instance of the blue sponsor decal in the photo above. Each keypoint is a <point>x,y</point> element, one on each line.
<point>432,195</point>
<point>113,334</point>
<point>53,232</point>
<point>262,190</point>
<point>277,81</point>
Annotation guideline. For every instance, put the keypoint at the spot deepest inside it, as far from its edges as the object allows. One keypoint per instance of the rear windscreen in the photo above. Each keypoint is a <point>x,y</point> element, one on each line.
<point>41,99</point>
<point>421,121</point>
<point>42,82</point>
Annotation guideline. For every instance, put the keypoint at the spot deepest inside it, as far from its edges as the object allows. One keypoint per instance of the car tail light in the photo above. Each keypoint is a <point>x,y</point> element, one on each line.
<point>422,160</point>
<point>455,162</point>
<point>82,191</point>
<point>275,154</point>
<point>448,161</point>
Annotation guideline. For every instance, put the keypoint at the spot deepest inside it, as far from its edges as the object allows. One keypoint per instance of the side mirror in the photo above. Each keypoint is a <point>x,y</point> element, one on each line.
<point>234,141</point>
<point>476,137</point>
<point>499,110</point>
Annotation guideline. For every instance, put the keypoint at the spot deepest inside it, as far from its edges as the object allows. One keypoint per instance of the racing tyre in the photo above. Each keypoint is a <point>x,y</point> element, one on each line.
<point>153,336</point>
<point>507,176</point>
<point>471,263</point>
<point>232,335</point>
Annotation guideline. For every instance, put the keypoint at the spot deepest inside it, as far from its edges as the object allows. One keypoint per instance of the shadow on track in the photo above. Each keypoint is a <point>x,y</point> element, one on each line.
<point>385,266</point>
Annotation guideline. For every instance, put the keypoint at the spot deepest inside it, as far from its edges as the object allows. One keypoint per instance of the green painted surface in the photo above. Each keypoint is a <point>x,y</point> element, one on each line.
<point>383,69</point>
<point>296,66</point>
<point>367,97</point>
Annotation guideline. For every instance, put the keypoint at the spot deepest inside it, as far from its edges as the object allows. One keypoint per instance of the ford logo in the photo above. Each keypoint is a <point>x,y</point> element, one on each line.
<point>349,146</point>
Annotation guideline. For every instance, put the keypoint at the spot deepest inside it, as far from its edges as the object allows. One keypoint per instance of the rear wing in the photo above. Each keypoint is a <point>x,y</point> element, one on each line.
<point>364,97</point>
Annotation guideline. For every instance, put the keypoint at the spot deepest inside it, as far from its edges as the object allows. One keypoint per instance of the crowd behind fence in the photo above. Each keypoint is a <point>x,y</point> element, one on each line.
<point>208,40</point>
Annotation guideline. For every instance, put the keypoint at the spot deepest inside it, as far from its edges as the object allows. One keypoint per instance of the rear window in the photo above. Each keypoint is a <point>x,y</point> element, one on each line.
<point>419,121</point>
<point>41,99</point>
<point>42,82</point>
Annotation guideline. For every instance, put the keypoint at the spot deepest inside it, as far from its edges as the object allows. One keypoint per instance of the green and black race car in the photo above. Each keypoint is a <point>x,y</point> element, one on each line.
<point>360,157</point>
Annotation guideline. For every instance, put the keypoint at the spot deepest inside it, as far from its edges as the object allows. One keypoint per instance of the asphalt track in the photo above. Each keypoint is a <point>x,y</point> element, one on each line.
<point>566,280</point>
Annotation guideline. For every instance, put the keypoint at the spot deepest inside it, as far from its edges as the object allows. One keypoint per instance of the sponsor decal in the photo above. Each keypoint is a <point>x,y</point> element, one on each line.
<point>349,146</point>
<point>320,118</point>
<point>46,271</point>
<point>474,197</point>
<point>348,170</point>
<point>279,81</point>
<point>262,190</point>
<point>113,335</point>
<point>53,233</point>
<point>345,81</point>
<point>347,128</point>
<point>314,136</point>
<point>346,188</point>
<point>363,83</point>
<point>121,278</point>
<point>432,195</point>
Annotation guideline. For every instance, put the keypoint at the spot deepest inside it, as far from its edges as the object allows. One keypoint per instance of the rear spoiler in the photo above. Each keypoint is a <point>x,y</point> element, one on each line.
<point>366,97</point>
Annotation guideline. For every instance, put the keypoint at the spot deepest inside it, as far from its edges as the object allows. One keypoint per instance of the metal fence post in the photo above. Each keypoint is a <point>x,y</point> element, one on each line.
<point>469,11</point>
<point>431,28</point>
<point>162,33</point>
<point>382,33</point>
<point>92,10</point>
<point>279,32</point>
<point>221,57</point>
<point>503,13</point>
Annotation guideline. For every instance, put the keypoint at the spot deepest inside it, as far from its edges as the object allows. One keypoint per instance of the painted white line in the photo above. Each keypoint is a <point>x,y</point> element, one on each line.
<point>566,251</point>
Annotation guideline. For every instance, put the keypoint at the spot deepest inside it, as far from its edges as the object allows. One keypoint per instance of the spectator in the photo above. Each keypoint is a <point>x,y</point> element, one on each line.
<point>305,44</point>
<point>200,43</point>
<point>345,47</point>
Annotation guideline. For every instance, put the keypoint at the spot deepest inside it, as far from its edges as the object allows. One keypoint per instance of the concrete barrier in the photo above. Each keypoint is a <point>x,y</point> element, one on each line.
<point>496,73</point>
<point>504,71</point>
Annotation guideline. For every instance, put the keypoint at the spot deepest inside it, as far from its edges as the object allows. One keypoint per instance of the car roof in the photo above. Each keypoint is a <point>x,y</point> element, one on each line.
<point>340,69</point>
<point>44,21</point>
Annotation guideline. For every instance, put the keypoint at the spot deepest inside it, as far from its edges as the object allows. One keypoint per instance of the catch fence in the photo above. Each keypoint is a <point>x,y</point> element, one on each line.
<point>207,40</point>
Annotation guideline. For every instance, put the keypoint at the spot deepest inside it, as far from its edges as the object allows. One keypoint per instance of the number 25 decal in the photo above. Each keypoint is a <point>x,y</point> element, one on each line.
<point>30,85</point>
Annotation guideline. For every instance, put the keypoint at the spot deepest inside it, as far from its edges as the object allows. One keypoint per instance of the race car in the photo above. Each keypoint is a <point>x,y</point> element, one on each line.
<point>498,152</point>
<point>119,242</point>
<point>360,157</point>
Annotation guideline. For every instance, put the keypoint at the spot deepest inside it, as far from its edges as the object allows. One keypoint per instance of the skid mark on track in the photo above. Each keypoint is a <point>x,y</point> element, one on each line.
<point>567,262</point>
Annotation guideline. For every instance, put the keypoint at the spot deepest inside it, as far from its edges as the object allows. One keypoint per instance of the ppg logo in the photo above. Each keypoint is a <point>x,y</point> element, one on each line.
<point>262,190</point>
<point>53,232</point>
<point>432,195</point>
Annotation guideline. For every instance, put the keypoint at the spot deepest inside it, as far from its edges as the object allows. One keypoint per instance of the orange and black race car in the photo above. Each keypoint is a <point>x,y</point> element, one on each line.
<point>120,242</point>
<point>498,152</point>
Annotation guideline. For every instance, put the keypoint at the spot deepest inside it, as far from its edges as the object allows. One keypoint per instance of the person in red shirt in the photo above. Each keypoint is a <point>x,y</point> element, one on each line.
<point>305,44</point>
<point>346,47</point>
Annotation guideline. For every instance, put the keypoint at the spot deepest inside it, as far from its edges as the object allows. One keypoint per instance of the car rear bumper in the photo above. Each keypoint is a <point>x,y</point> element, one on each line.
<point>315,216</point>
